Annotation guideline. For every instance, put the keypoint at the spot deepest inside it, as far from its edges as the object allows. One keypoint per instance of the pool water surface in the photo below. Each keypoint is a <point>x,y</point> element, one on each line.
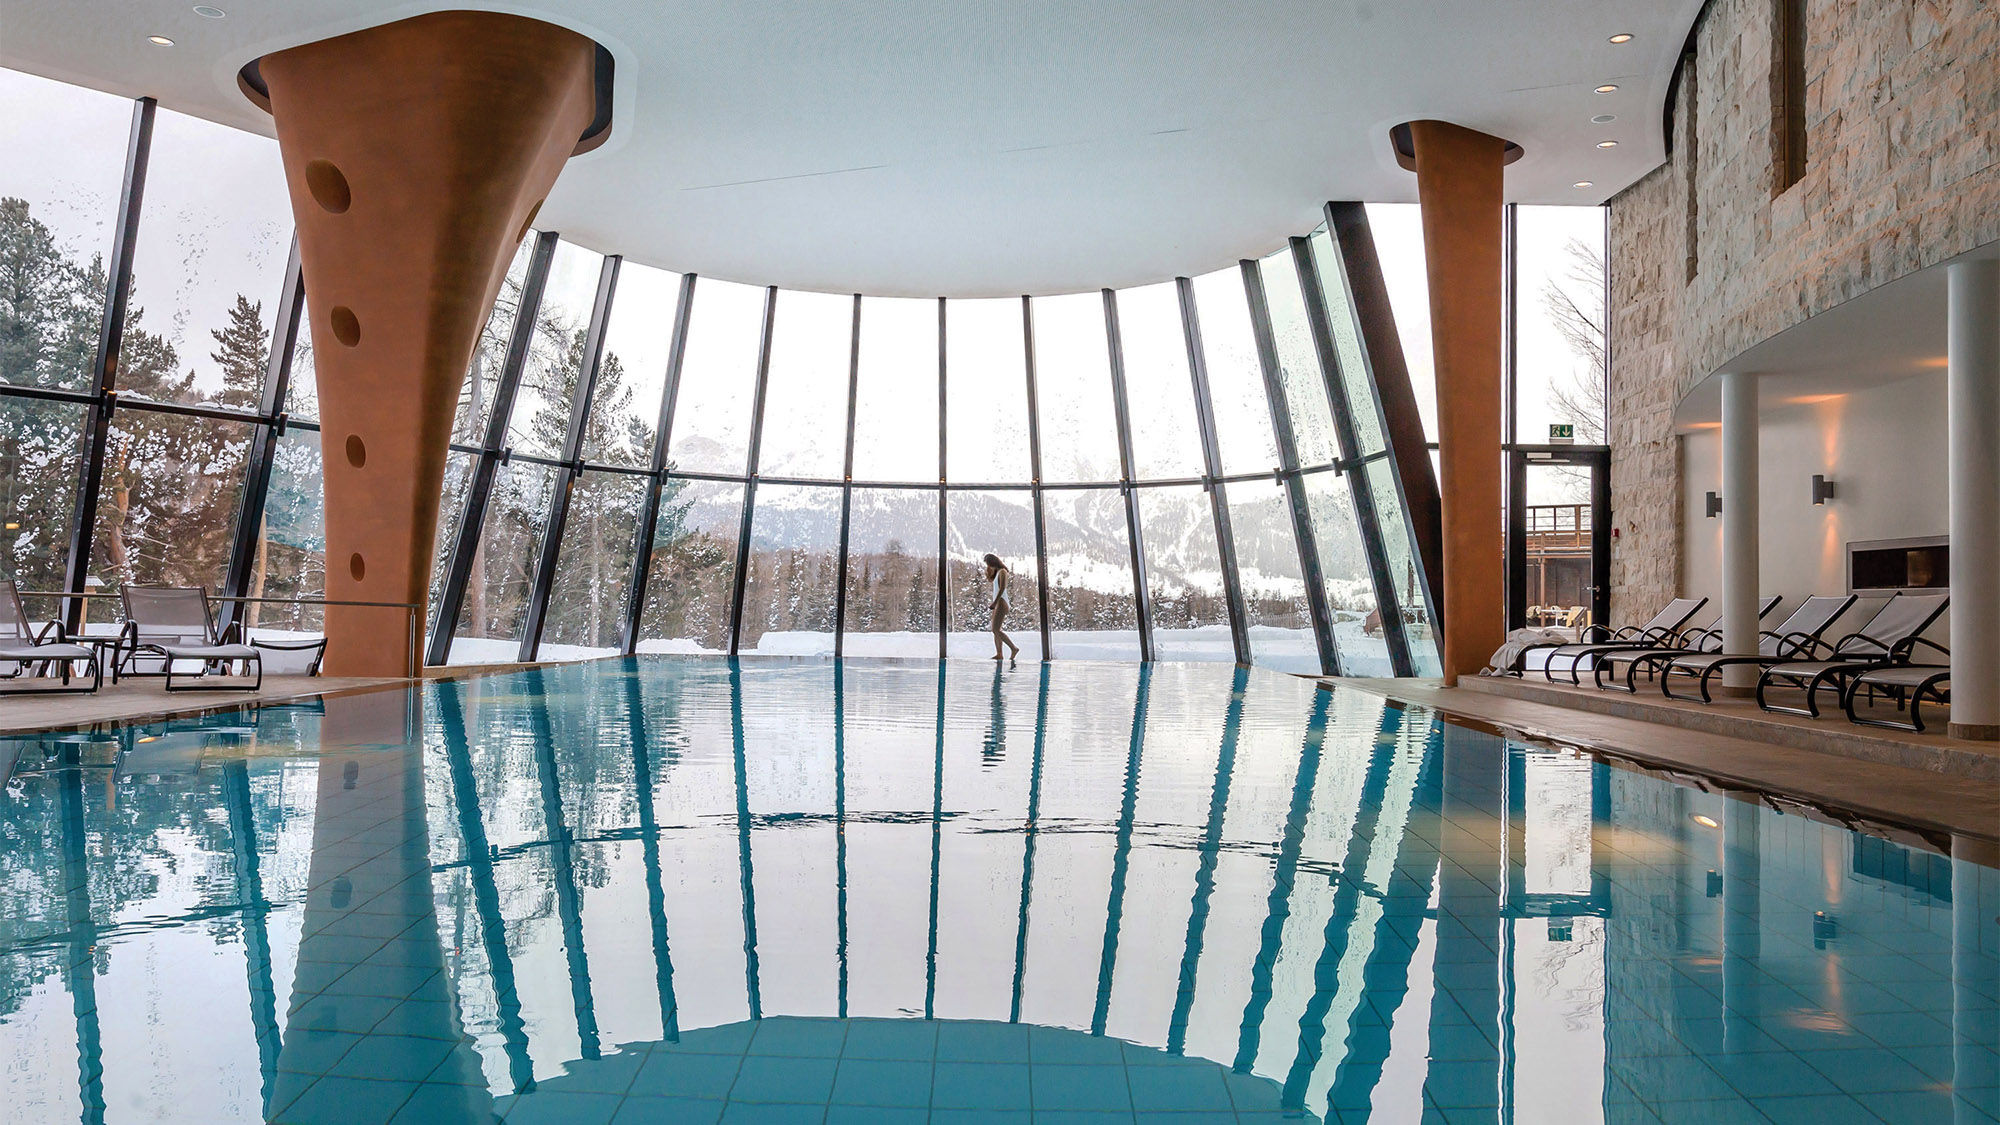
<point>690,890</point>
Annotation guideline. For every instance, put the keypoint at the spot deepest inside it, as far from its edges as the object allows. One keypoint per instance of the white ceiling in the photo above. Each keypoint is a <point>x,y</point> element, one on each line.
<point>962,149</point>
<point>1892,332</point>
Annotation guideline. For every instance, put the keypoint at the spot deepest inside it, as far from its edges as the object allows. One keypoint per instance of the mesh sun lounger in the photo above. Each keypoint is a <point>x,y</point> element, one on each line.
<point>1661,630</point>
<point>1888,639</point>
<point>29,650</point>
<point>1793,638</point>
<point>1705,639</point>
<point>1909,684</point>
<point>174,624</point>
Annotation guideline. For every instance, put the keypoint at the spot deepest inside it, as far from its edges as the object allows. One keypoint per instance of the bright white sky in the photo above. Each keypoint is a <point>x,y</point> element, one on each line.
<point>217,222</point>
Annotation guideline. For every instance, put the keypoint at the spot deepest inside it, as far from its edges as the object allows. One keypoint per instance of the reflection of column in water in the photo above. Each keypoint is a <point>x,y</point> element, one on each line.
<point>1742,924</point>
<point>937,847</point>
<point>1121,857</point>
<point>840,750</point>
<point>1211,849</point>
<point>1471,822</point>
<point>740,756</point>
<point>370,879</point>
<point>562,862</point>
<point>80,960</point>
<point>649,837</point>
<point>1028,829</point>
<point>1975,980</point>
<point>256,938</point>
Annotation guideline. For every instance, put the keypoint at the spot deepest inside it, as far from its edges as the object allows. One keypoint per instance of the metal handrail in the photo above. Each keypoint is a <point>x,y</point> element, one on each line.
<point>411,611</point>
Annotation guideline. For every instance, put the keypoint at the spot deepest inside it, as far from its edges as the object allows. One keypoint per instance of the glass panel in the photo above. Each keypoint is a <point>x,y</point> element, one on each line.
<point>59,191</point>
<point>39,454</point>
<point>1559,330</point>
<point>1350,592</point>
<point>1073,389</point>
<point>166,515</point>
<point>302,388</point>
<point>693,567</point>
<point>1403,568</point>
<point>1166,442</point>
<point>1090,575</point>
<point>805,407</point>
<point>632,376</point>
<point>990,522</point>
<point>503,570</point>
<point>1346,329</point>
<point>291,541</point>
<point>892,573</point>
<point>718,379</point>
<point>1399,244</point>
<point>788,599</point>
<point>594,567</point>
<point>987,392</point>
<point>896,400</point>
<point>451,513</point>
<point>1274,592</point>
<point>1235,378</point>
<point>540,422</point>
<point>482,376</point>
<point>209,261</point>
<point>1298,362</point>
<point>1184,575</point>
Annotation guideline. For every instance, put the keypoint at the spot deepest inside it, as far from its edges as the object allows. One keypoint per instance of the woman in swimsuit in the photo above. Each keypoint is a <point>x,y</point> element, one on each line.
<point>997,576</point>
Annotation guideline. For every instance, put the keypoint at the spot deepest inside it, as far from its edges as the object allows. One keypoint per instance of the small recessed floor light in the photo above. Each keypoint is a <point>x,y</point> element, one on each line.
<point>1582,184</point>
<point>1705,821</point>
<point>1607,144</point>
<point>1622,37</point>
<point>1608,88</point>
<point>1604,119</point>
<point>209,13</point>
<point>159,41</point>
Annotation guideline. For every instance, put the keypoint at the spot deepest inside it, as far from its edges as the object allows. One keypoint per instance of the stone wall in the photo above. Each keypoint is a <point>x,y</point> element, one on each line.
<point>1902,172</point>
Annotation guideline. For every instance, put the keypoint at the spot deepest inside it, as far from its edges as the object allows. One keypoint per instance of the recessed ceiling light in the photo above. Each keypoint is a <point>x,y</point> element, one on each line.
<point>1622,37</point>
<point>1581,184</point>
<point>1608,88</point>
<point>159,41</point>
<point>208,12</point>
<point>1607,144</point>
<point>1604,119</point>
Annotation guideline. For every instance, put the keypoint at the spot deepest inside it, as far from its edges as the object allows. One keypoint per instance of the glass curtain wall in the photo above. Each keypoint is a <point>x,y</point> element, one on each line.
<point>757,470</point>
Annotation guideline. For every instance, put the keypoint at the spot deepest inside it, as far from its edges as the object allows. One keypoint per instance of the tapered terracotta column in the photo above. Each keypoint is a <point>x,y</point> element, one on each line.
<point>1458,183</point>
<point>417,154</point>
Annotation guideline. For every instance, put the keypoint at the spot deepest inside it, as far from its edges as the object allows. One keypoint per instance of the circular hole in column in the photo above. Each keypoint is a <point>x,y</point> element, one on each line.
<point>357,453</point>
<point>356,566</point>
<point>328,186</point>
<point>346,326</point>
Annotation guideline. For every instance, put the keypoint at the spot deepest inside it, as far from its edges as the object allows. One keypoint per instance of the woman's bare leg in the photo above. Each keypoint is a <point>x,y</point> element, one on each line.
<point>1000,636</point>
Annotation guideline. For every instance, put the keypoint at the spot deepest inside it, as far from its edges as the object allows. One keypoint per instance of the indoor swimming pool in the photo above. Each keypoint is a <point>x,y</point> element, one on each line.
<point>682,889</point>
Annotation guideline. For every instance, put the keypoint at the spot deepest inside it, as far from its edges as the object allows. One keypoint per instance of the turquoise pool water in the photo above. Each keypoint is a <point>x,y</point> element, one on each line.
<point>677,890</point>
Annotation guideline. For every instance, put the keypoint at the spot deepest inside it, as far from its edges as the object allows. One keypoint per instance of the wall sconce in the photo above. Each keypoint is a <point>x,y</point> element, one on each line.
<point>1713,505</point>
<point>1822,489</point>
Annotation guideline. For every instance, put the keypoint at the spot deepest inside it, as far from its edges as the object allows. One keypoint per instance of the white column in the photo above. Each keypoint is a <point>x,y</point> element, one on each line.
<point>1973,410</point>
<point>1739,527</point>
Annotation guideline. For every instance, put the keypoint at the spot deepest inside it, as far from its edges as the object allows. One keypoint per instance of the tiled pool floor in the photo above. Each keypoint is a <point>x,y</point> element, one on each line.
<point>683,890</point>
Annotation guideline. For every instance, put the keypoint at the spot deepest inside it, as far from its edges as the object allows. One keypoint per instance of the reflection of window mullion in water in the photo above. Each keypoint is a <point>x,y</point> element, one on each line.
<point>937,841</point>
<point>80,966</point>
<point>1368,844</point>
<point>485,895</point>
<point>1279,909</point>
<point>256,937</point>
<point>1354,1083</point>
<point>1107,962</point>
<point>840,789</point>
<point>649,835</point>
<point>1204,877</point>
<point>568,899</point>
<point>751,989</point>
<point>1028,834</point>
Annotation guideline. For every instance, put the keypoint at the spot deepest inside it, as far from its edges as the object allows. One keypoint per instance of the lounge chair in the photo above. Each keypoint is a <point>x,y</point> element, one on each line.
<point>1888,639</point>
<point>1662,630</point>
<point>1701,639</point>
<point>1794,638</point>
<point>174,623</point>
<point>31,650</point>
<point>1908,684</point>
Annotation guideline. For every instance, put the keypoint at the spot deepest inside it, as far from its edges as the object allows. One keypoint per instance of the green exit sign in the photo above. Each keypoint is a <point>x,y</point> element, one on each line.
<point>1562,433</point>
